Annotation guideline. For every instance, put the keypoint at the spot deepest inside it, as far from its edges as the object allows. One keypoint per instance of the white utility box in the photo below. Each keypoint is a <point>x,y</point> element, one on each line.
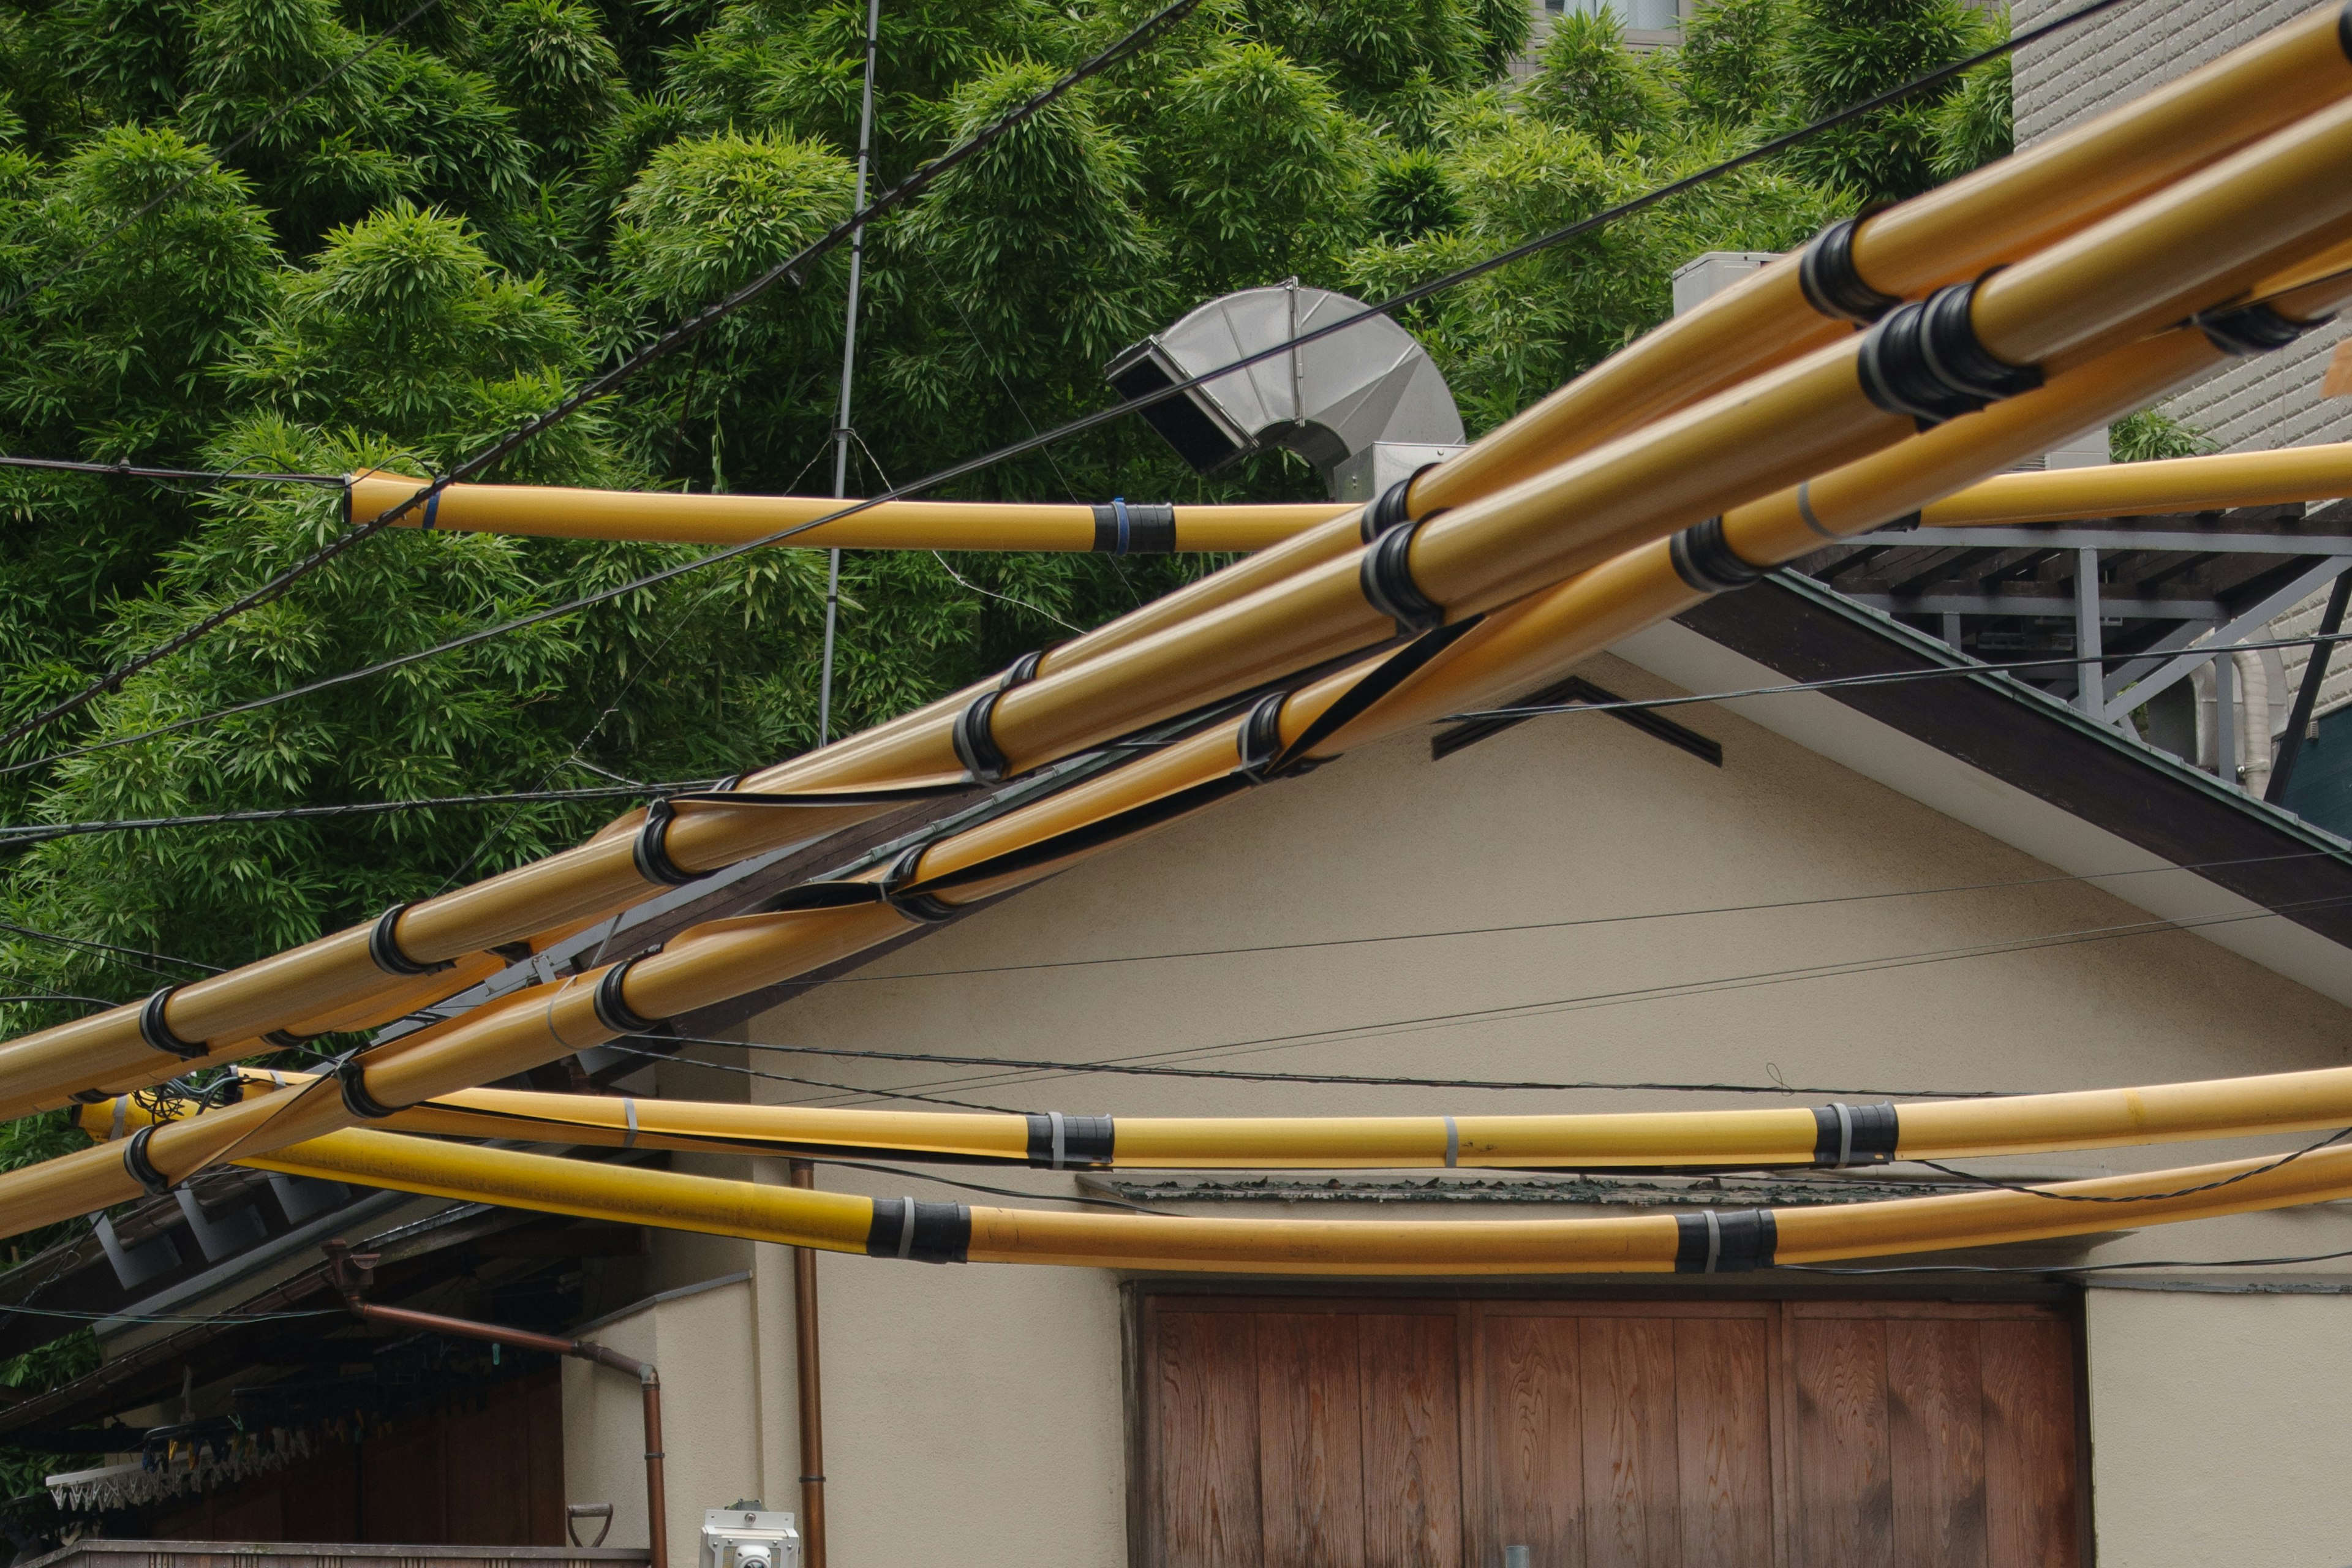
<point>749,1538</point>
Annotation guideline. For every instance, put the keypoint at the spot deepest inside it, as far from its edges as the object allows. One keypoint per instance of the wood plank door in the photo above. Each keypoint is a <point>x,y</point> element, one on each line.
<point>1384,1434</point>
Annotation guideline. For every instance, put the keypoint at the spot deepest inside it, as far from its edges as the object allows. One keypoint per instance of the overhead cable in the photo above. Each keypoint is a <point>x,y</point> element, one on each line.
<point>939,477</point>
<point>12,836</point>
<point>183,476</point>
<point>106,947</point>
<point>684,331</point>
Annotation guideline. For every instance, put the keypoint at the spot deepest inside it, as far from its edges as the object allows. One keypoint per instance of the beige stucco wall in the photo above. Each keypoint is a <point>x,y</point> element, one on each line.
<point>2234,1454</point>
<point>975,1412</point>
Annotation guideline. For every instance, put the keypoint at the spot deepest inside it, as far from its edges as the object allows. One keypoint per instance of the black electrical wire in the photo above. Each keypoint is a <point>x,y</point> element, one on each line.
<point>180,476</point>
<point>939,477</point>
<point>62,996</point>
<point>807,1082</point>
<point>2285,1159</point>
<point>2047,1269</point>
<point>1026,1071</point>
<point>685,331</point>
<point>1891,677</point>
<point>10,837</point>
<point>107,947</point>
<point>201,1317</point>
<point>220,159</point>
<point>1579,921</point>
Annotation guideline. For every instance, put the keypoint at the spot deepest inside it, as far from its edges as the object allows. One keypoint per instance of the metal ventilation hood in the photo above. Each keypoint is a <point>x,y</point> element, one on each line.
<point>1330,401</point>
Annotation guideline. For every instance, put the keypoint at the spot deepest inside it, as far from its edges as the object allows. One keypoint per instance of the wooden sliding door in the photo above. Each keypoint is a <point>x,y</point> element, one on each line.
<point>1502,1433</point>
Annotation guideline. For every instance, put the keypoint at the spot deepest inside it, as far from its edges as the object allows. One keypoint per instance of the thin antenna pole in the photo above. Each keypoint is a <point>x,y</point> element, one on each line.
<point>849,366</point>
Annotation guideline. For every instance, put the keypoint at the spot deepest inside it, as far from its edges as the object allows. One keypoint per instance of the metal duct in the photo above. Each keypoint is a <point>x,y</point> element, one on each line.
<point>1328,401</point>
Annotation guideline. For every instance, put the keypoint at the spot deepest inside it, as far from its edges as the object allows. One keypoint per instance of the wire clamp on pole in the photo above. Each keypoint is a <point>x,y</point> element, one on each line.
<point>350,1078</point>
<point>1386,579</point>
<point>156,1030</point>
<point>1022,671</point>
<point>613,1009</point>
<point>918,1232</point>
<point>1702,558</point>
<point>1137,529</point>
<point>1453,1143</point>
<point>1391,507</point>
<point>1832,285</point>
<point>384,951</point>
<point>286,1039</point>
<point>153,1182</point>
<point>914,906</point>
<point>1259,739</point>
<point>975,740</point>
<point>1847,1135</point>
<point>650,848</point>
<point>1714,1242</point>
<point>1925,360</point>
<point>1059,1142</point>
<point>2251,329</point>
<point>629,1114</point>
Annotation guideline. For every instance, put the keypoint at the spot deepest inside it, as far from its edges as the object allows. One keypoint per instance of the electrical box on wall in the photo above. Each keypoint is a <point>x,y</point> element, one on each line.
<point>750,1537</point>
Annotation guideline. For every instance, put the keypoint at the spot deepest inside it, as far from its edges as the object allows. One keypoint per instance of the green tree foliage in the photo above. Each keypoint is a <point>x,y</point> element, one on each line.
<point>473,216</point>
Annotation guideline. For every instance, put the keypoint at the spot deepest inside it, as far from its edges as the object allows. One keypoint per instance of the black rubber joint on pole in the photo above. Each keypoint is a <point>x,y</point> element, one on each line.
<point>650,848</point>
<point>1702,558</point>
<point>1260,738</point>
<point>1059,1142</point>
<point>1925,360</point>
<point>2251,329</point>
<point>1386,578</point>
<point>90,1097</point>
<point>613,1009</point>
<point>2344,30</point>
<point>286,1039</point>
<point>383,947</point>
<point>1022,671</point>
<point>1826,273</point>
<point>1733,1241</point>
<point>1128,528</point>
<point>920,1232</point>
<point>350,1077</point>
<point>153,1182</point>
<point>156,1030</point>
<point>1391,509</point>
<point>914,906</point>
<point>1854,1135</point>
<point>975,742</point>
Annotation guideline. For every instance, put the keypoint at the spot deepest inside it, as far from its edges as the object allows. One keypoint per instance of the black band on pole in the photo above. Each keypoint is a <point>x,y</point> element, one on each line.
<point>1391,508</point>
<point>613,1009</point>
<point>1925,360</point>
<point>1732,1241</point>
<point>1259,739</point>
<point>383,947</point>
<point>156,1030</point>
<point>2251,329</point>
<point>1022,671</point>
<point>975,744</point>
<point>1134,528</point>
<point>914,906</point>
<point>1386,578</point>
<point>350,1077</point>
<point>2344,30</point>
<point>1831,285</point>
<point>286,1039</point>
<point>90,1097</point>
<point>1059,1142</point>
<point>921,1232</point>
<point>153,1182</point>
<point>650,848</point>
<point>1854,1135</point>
<point>1702,558</point>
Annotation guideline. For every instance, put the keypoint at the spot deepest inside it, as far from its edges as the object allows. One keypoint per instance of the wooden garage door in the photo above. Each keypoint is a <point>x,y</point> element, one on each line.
<point>1606,1435</point>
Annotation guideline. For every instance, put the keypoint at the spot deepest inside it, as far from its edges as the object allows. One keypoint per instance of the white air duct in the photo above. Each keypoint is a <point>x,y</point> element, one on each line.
<point>1332,401</point>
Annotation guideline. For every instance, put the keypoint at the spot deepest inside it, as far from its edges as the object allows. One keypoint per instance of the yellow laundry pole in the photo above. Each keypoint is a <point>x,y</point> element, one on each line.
<point>2141,490</point>
<point>669,517</point>
<point>1716,1241</point>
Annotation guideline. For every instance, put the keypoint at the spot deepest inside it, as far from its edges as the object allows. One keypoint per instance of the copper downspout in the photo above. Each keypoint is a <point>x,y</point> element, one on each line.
<point>352,1271</point>
<point>812,1396</point>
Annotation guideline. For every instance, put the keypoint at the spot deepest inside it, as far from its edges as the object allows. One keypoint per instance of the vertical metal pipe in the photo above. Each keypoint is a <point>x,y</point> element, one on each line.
<point>2090,671</point>
<point>810,1391</point>
<point>2225,718</point>
<point>848,367</point>
<point>2307,695</point>
<point>657,1492</point>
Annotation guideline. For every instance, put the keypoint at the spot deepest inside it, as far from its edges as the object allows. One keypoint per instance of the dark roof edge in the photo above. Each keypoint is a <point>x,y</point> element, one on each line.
<point>2046,748</point>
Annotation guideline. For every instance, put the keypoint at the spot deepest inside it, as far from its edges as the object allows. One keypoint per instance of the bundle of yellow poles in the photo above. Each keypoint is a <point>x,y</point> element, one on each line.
<point>2218,197</point>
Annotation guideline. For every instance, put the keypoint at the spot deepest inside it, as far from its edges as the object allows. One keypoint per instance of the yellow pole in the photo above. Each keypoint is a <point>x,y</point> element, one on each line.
<point>1721,1241</point>
<point>2141,490</point>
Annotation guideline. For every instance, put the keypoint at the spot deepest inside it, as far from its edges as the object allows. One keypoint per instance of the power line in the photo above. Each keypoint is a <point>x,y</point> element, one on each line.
<point>683,333</point>
<point>10,837</point>
<point>1672,991</point>
<point>809,1082</point>
<point>131,952</point>
<point>1576,922</point>
<point>942,475</point>
<point>2285,1159</point>
<point>187,476</point>
<point>2046,1269</point>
